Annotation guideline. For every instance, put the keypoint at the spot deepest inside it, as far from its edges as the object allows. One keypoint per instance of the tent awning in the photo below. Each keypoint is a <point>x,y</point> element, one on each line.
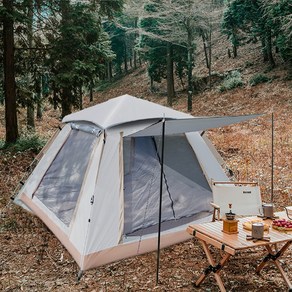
<point>179,126</point>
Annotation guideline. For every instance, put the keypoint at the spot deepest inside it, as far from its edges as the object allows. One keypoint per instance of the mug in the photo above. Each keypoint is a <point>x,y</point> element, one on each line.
<point>268,210</point>
<point>257,230</point>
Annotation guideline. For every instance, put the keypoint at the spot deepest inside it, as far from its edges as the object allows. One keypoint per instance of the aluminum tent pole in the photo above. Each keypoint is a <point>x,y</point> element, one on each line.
<point>160,200</point>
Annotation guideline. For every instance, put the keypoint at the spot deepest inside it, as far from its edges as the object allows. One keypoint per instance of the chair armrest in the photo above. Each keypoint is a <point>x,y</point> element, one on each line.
<point>215,206</point>
<point>216,212</point>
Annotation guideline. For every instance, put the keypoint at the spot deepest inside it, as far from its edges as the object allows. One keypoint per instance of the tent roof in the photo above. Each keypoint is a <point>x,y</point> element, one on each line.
<point>123,109</point>
<point>194,124</point>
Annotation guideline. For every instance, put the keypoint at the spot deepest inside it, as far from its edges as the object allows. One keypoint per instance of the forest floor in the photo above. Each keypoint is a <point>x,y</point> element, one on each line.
<point>31,257</point>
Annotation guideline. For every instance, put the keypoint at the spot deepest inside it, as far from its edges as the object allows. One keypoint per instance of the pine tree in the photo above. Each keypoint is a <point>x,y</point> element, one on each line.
<point>9,72</point>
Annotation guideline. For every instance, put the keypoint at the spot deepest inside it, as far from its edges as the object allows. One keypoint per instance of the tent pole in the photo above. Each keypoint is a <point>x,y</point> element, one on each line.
<point>160,200</point>
<point>272,162</point>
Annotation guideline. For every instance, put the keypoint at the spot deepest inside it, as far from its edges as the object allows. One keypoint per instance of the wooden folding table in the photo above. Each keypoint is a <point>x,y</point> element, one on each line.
<point>211,234</point>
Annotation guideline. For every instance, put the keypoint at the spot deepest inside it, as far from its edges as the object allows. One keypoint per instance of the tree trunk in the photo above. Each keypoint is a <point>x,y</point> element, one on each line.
<point>9,74</point>
<point>30,105</point>
<point>264,49</point>
<point>110,70</point>
<point>55,97</point>
<point>125,56</point>
<point>234,50</point>
<point>170,79</point>
<point>79,92</point>
<point>269,48</point>
<point>66,102</point>
<point>210,56</point>
<point>66,95</point>
<point>190,77</point>
<point>39,110</point>
<point>131,62</point>
<point>91,90</point>
<point>30,117</point>
<point>205,50</point>
<point>41,87</point>
<point>190,69</point>
<point>229,53</point>
<point>289,65</point>
<point>135,59</point>
<point>151,84</point>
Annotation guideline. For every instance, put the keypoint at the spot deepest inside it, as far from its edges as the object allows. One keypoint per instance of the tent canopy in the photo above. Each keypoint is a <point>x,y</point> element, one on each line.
<point>124,109</point>
<point>191,125</point>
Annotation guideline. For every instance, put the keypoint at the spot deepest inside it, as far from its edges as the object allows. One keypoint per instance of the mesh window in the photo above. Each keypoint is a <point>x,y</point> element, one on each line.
<point>60,187</point>
<point>185,189</point>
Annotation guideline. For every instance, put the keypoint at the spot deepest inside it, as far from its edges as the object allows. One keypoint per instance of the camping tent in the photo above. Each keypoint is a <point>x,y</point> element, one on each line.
<point>97,184</point>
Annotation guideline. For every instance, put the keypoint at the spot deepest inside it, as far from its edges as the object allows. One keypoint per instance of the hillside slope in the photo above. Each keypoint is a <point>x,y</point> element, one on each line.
<point>33,259</point>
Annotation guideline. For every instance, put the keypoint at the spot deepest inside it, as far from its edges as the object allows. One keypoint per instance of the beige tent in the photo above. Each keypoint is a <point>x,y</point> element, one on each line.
<point>97,184</point>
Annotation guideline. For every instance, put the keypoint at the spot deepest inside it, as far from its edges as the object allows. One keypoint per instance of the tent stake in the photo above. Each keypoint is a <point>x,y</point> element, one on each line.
<point>160,201</point>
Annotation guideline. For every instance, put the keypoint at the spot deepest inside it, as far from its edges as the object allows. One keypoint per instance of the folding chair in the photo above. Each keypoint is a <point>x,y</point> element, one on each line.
<point>245,198</point>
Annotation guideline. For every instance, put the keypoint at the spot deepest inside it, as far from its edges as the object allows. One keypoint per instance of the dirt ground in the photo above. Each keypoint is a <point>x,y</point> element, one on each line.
<point>32,259</point>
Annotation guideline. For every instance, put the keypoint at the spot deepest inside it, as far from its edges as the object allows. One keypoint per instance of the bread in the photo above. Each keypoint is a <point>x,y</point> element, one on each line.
<point>248,225</point>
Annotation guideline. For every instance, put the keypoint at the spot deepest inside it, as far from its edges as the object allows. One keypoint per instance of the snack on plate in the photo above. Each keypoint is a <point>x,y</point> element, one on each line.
<point>282,225</point>
<point>248,225</point>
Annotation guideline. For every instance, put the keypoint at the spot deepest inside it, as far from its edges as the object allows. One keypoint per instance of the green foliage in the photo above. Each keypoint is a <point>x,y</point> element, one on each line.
<point>268,21</point>
<point>180,58</point>
<point>103,86</point>
<point>122,40</point>
<point>245,21</point>
<point>279,13</point>
<point>27,141</point>
<point>81,48</point>
<point>158,31</point>
<point>258,78</point>
<point>232,81</point>
<point>151,48</point>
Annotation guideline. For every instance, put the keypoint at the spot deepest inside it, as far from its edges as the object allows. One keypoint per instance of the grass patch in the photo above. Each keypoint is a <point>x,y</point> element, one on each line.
<point>233,80</point>
<point>258,78</point>
<point>26,142</point>
<point>105,85</point>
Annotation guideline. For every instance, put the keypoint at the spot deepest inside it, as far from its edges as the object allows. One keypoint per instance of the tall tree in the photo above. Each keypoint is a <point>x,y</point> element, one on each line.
<point>170,78</point>
<point>180,23</point>
<point>9,73</point>
<point>279,13</point>
<point>80,28</point>
<point>30,105</point>
<point>245,21</point>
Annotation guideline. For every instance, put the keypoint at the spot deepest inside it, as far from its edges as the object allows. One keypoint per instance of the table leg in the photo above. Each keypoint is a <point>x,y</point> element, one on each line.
<point>274,257</point>
<point>213,267</point>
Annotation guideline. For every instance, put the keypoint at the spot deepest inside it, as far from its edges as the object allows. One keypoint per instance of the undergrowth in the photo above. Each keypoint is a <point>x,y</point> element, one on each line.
<point>27,141</point>
<point>233,80</point>
<point>258,78</point>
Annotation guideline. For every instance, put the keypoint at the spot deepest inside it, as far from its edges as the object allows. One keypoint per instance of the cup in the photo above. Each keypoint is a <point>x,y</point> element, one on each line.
<point>257,230</point>
<point>268,210</point>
